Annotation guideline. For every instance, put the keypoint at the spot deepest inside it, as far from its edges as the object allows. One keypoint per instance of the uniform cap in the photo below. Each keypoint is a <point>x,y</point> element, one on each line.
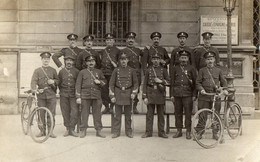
<point>45,54</point>
<point>182,34</point>
<point>131,35</point>
<point>72,37</point>
<point>109,36</point>
<point>207,35</point>
<point>184,53</point>
<point>90,57</point>
<point>156,34</point>
<point>69,57</point>
<point>209,54</point>
<point>123,56</point>
<point>88,37</point>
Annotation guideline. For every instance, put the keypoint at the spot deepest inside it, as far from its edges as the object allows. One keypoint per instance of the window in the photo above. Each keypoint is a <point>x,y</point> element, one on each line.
<point>108,16</point>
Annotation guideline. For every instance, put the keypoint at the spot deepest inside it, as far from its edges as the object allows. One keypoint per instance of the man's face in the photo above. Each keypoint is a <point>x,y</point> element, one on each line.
<point>73,43</point>
<point>45,61</point>
<point>88,43</point>
<point>182,40</point>
<point>156,61</point>
<point>68,63</point>
<point>210,61</point>
<point>130,41</point>
<point>156,41</point>
<point>123,62</point>
<point>207,41</point>
<point>91,63</point>
<point>110,42</point>
<point>183,60</point>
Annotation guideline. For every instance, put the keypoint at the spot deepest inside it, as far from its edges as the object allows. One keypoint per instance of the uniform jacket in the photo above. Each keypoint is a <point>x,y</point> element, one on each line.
<point>67,78</point>
<point>122,84</point>
<point>151,89</point>
<point>134,55</point>
<point>41,80</point>
<point>106,65</point>
<point>85,85</point>
<point>65,52</point>
<point>152,51</point>
<point>80,61</point>
<point>199,56</point>
<point>204,81</point>
<point>183,82</point>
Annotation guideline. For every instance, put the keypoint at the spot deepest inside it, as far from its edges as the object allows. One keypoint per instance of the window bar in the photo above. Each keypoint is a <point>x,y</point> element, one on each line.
<point>108,18</point>
<point>117,20</point>
<point>127,16</point>
<point>102,21</point>
<point>88,18</point>
<point>93,17</point>
<point>122,20</point>
<point>98,4</point>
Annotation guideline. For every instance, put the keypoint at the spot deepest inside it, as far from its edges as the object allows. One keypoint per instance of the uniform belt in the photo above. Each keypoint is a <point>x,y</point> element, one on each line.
<point>123,88</point>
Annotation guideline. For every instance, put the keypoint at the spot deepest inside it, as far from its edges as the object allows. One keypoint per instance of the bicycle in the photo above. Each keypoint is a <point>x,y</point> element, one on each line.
<point>208,127</point>
<point>34,118</point>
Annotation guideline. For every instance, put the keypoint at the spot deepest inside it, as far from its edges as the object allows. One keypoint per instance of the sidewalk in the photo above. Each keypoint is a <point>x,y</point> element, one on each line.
<point>15,146</point>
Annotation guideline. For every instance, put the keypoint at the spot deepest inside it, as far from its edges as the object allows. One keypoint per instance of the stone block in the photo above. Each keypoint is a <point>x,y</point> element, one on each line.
<point>8,4</point>
<point>187,4</point>
<point>155,4</point>
<point>46,27</point>
<point>51,4</point>
<point>65,15</point>
<point>8,27</point>
<point>8,39</point>
<point>8,15</point>
<point>42,39</point>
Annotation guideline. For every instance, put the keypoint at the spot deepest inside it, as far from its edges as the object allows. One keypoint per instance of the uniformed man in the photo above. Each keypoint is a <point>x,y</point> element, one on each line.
<point>46,79</point>
<point>156,49</point>
<point>88,42</point>
<point>68,105</point>
<point>109,58</point>
<point>88,94</point>
<point>123,89</point>
<point>71,50</point>
<point>134,56</point>
<point>175,55</point>
<point>156,78</point>
<point>209,80</point>
<point>199,52</point>
<point>183,92</point>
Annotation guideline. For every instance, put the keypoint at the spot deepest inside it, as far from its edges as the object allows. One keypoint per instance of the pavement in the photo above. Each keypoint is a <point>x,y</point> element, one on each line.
<point>15,146</point>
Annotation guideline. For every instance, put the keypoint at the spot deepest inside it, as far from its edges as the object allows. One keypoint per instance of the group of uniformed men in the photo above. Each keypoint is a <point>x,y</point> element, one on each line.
<point>112,77</point>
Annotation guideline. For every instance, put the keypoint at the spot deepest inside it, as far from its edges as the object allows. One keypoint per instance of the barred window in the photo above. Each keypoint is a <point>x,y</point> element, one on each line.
<point>108,16</point>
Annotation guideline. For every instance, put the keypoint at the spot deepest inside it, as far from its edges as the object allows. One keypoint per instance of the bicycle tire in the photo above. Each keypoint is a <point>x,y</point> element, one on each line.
<point>25,115</point>
<point>38,126</point>
<point>234,120</point>
<point>212,120</point>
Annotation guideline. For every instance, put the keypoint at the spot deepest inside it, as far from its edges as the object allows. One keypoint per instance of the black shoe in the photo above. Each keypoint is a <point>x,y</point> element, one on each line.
<point>146,135</point>
<point>53,136</point>
<point>129,134</point>
<point>82,134</point>
<point>98,134</point>
<point>67,133</point>
<point>178,134</point>
<point>188,136</point>
<point>163,135</point>
<point>106,111</point>
<point>115,135</point>
<point>41,134</point>
<point>136,111</point>
<point>215,136</point>
<point>73,133</point>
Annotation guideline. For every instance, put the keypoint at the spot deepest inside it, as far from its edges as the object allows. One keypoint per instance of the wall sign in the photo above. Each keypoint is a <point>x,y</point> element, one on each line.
<point>237,67</point>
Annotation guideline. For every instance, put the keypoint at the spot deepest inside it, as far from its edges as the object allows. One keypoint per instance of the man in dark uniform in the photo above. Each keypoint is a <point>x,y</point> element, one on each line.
<point>209,80</point>
<point>175,55</point>
<point>68,105</point>
<point>134,56</point>
<point>123,89</point>
<point>46,79</point>
<point>183,92</point>
<point>88,94</point>
<point>88,42</point>
<point>155,49</point>
<point>71,50</point>
<point>199,52</point>
<point>156,78</point>
<point>109,58</point>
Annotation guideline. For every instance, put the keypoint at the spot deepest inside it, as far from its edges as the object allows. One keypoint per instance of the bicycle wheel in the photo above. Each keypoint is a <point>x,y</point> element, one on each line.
<point>204,123</point>
<point>234,120</point>
<point>25,114</point>
<point>41,124</point>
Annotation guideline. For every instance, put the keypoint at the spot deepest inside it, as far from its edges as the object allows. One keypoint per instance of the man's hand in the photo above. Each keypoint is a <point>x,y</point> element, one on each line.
<point>132,96</point>
<point>50,81</point>
<point>163,62</point>
<point>148,47</point>
<point>113,100</point>
<point>61,67</point>
<point>157,80</point>
<point>114,64</point>
<point>203,92</point>
<point>146,101</point>
<point>78,101</point>
<point>225,92</point>
<point>172,99</point>
<point>40,90</point>
<point>194,98</point>
<point>97,81</point>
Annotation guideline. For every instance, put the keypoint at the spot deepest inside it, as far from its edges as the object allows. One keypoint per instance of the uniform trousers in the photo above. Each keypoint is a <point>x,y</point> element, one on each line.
<point>105,93</point>
<point>118,116</point>
<point>51,105</point>
<point>150,116</point>
<point>180,104</point>
<point>96,105</point>
<point>69,111</point>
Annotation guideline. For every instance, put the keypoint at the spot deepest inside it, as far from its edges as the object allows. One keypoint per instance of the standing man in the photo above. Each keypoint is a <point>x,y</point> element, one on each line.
<point>109,58</point>
<point>71,50</point>
<point>88,42</point>
<point>123,87</point>
<point>183,92</point>
<point>134,58</point>
<point>68,105</point>
<point>175,55</point>
<point>209,80</point>
<point>156,49</point>
<point>156,78</point>
<point>199,52</point>
<point>88,94</point>
<point>46,79</point>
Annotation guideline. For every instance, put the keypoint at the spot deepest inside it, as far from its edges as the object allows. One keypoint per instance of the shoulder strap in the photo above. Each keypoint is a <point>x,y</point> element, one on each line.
<point>154,72</point>
<point>72,51</point>
<point>45,73</point>
<point>91,74</point>
<point>155,49</point>
<point>211,77</point>
<point>132,51</point>
<point>108,56</point>
<point>185,74</point>
<point>68,72</point>
<point>88,52</point>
